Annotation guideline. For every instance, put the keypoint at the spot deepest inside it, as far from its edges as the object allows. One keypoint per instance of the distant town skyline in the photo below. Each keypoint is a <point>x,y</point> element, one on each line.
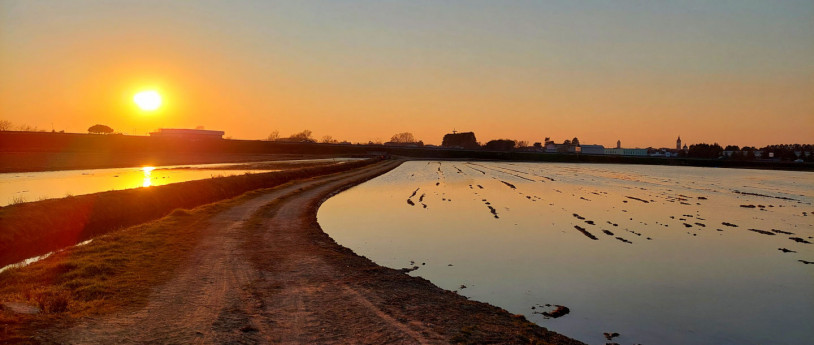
<point>735,73</point>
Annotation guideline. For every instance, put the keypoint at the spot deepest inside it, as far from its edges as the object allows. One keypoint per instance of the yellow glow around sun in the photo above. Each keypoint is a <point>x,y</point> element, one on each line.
<point>147,100</point>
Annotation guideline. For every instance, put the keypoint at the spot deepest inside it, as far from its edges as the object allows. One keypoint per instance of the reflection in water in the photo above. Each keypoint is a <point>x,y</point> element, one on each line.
<point>147,172</point>
<point>32,186</point>
<point>663,269</point>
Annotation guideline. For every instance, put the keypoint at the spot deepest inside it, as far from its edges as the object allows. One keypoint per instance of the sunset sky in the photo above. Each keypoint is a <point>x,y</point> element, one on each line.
<point>737,72</point>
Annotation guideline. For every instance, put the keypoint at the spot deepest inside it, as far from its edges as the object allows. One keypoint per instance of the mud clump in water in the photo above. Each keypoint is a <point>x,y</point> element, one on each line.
<point>559,311</point>
<point>623,240</point>
<point>799,240</point>
<point>762,232</point>
<point>635,198</point>
<point>509,184</point>
<point>585,232</point>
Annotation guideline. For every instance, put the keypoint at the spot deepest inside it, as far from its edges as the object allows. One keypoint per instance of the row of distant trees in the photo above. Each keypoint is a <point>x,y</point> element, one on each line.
<point>305,136</point>
<point>785,152</point>
<point>6,125</point>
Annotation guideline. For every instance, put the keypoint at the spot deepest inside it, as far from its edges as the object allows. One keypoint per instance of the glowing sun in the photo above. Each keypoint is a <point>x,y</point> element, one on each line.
<point>147,100</point>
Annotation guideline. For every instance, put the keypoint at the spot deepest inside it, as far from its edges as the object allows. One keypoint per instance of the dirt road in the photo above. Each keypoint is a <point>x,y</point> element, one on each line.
<point>265,272</point>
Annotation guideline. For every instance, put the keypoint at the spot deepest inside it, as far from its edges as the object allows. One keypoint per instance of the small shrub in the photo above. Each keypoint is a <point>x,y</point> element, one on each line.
<point>52,301</point>
<point>17,199</point>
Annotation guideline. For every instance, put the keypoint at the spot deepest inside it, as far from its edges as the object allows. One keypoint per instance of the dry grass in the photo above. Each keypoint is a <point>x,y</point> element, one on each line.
<point>17,200</point>
<point>114,271</point>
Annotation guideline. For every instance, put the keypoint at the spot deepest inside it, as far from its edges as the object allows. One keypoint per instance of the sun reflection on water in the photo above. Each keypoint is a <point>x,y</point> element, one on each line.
<point>147,176</point>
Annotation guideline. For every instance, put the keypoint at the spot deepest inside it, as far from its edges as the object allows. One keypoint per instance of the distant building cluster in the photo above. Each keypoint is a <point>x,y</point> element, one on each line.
<point>570,147</point>
<point>467,140</point>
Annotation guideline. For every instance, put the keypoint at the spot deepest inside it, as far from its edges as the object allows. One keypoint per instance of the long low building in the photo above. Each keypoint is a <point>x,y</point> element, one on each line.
<point>626,152</point>
<point>592,149</point>
<point>187,133</point>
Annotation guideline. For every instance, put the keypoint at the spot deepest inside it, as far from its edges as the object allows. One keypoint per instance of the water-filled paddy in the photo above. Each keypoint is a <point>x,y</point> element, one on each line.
<point>33,186</point>
<point>682,255</point>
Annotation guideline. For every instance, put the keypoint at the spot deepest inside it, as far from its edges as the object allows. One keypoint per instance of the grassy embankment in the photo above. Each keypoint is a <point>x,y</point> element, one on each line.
<point>36,228</point>
<point>115,270</point>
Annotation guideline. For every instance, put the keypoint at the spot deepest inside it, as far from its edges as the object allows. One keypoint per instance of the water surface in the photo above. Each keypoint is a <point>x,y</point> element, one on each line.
<point>684,278</point>
<point>32,186</point>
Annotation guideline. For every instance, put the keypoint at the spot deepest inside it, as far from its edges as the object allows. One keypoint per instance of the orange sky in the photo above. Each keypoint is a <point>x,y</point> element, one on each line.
<point>733,72</point>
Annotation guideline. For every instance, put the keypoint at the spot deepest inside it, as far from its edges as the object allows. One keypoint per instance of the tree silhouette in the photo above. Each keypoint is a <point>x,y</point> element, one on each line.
<point>100,129</point>
<point>273,136</point>
<point>304,136</point>
<point>575,142</point>
<point>500,145</point>
<point>705,151</point>
<point>403,138</point>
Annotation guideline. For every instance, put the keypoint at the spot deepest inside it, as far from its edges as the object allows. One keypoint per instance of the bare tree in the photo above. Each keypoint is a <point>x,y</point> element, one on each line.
<point>5,125</point>
<point>274,135</point>
<point>329,140</point>
<point>403,138</point>
<point>305,135</point>
<point>522,143</point>
<point>29,128</point>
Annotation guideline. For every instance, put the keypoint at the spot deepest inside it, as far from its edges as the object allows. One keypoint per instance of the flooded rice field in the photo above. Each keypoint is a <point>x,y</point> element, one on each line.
<point>33,186</point>
<point>657,254</point>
